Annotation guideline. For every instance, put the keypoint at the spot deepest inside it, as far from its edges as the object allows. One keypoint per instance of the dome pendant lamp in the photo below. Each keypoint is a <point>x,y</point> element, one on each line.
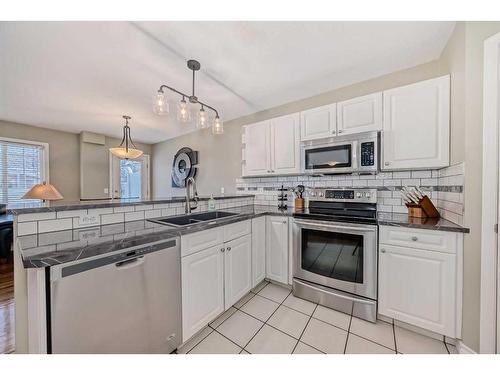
<point>125,151</point>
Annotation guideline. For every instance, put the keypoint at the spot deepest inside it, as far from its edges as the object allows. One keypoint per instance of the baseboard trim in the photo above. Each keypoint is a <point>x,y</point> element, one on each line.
<point>464,349</point>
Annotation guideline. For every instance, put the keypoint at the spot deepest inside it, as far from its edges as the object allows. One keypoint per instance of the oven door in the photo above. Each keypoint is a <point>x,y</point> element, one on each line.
<point>342,256</point>
<point>332,157</point>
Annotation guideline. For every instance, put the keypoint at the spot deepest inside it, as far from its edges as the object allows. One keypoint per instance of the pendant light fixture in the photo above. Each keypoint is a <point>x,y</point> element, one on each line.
<point>161,106</point>
<point>125,151</point>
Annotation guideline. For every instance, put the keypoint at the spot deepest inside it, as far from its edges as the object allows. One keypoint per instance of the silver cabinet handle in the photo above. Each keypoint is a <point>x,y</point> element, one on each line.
<point>414,238</point>
<point>229,248</point>
<point>284,222</point>
<point>333,132</point>
<point>222,250</point>
<point>387,163</point>
<point>382,250</point>
<point>340,131</point>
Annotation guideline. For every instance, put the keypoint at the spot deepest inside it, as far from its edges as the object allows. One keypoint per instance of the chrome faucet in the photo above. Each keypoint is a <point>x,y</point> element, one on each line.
<point>191,195</point>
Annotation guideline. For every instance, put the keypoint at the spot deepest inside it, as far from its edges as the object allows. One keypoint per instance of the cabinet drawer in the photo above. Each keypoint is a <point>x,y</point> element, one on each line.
<point>425,239</point>
<point>194,242</point>
<point>235,230</point>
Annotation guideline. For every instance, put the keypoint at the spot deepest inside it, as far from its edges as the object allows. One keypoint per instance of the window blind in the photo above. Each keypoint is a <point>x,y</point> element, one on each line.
<point>21,167</point>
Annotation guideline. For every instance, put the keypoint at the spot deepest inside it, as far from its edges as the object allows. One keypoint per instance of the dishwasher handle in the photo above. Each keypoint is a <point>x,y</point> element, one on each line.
<point>130,263</point>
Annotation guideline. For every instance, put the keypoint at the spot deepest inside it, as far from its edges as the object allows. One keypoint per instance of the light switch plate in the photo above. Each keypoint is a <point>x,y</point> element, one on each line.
<point>106,190</point>
<point>86,220</point>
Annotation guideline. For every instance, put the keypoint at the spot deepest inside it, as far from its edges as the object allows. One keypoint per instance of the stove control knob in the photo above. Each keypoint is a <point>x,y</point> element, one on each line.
<point>312,193</point>
<point>359,195</point>
<point>367,195</point>
<point>320,194</point>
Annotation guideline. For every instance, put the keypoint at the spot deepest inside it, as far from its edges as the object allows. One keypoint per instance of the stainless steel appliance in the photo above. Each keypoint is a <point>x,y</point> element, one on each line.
<point>125,302</point>
<point>335,250</point>
<point>356,153</point>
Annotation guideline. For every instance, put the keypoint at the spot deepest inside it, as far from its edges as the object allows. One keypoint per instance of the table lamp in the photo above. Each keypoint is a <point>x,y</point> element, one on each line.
<point>43,191</point>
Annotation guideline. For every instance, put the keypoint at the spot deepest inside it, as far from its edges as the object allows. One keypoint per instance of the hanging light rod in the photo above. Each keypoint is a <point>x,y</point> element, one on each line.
<point>161,106</point>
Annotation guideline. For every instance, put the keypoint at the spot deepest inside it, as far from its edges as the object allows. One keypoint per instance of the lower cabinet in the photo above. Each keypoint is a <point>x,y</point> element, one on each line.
<point>237,270</point>
<point>202,289</point>
<point>419,286</point>
<point>258,250</point>
<point>277,248</point>
<point>213,279</point>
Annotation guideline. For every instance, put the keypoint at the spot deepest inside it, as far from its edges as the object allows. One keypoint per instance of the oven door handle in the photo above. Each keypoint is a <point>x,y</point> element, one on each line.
<point>327,225</point>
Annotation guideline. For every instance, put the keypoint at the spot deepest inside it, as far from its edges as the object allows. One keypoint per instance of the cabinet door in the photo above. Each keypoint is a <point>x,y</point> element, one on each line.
<point>258,250</point>
<point>318,122</point>
<point>257,149</point>
<point>416,126</point>
<point>418,287</point>
<point>202,289</point>
<point>360,114</point>
<point>277,248</point>
<point>237,269</point>
<point>285,144</point>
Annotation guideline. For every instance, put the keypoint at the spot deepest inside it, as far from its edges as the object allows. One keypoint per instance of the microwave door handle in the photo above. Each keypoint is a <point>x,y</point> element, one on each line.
<point>354,161</point>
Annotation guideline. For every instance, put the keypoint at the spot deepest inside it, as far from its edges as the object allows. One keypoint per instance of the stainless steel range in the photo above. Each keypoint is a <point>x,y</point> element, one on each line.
<point>335,250</point>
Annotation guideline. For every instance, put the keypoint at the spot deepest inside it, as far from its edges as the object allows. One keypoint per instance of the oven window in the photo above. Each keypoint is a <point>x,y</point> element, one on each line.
<point>332,254</point>
<point>328,157</point>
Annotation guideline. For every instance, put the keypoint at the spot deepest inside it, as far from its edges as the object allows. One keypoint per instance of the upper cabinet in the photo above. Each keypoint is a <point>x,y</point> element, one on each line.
<point>318,122</point>
<point>257,155</point>
<point>416,126</point>
<point>272,147</point>
<point>360,114</point>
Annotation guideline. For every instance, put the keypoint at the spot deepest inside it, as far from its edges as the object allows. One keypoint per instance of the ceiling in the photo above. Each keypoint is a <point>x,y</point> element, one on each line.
<point>76,76</point>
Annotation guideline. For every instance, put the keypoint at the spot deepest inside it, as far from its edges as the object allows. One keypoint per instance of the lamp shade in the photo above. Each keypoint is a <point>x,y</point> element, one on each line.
<point>43,191</point>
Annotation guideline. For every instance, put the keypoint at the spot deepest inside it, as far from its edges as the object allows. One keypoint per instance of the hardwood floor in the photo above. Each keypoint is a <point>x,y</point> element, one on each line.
<point>6,307</point>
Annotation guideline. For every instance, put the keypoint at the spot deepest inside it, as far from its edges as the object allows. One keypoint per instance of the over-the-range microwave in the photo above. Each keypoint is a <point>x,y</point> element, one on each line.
<point>356,153</point>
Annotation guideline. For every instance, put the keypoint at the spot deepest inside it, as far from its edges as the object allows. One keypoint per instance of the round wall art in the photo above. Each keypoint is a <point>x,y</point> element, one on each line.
<point>184,166</point>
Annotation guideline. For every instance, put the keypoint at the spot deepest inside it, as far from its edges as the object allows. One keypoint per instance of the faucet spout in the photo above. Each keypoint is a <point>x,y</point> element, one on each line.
<point>191,195</point>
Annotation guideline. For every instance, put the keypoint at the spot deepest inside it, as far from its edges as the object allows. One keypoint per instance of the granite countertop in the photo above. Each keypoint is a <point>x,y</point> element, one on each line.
<point>49,249</point>
<point>29,208</point>
<point>403,220</point>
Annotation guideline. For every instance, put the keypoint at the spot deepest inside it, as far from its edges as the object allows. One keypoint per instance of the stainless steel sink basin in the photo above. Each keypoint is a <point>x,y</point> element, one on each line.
<point>180,221</point>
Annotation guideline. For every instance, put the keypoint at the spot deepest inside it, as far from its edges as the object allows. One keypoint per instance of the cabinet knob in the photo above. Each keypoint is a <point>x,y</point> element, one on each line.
<point>382,250</point>
<point>414,238</point>
<point>284,222</point>
<point>387,163</point>
<point>340,131</point>
<point>333,132</point>
<point>229,248</point>
<point>222,250</point>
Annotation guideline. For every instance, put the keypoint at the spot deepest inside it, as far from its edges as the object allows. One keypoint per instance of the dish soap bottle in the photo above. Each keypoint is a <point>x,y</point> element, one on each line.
<point>211,203</point>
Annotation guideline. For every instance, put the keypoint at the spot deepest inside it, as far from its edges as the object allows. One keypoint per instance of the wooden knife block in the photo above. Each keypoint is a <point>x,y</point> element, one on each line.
<point>424,208</point>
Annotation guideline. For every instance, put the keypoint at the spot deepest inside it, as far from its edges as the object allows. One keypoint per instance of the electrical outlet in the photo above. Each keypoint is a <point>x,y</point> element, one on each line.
<point>106,191</point>
<point>86,220</point>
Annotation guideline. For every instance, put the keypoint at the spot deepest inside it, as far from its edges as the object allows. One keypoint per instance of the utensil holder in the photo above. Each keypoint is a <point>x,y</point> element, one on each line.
<point>299,203</point>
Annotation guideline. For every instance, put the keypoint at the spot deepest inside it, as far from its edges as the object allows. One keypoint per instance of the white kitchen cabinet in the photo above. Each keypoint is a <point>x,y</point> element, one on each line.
<point>421,287</point>
<point>285,144</point>
<point>258,250</point>
<point>202,289</point>
<point>257,152</point>
<point>361,114</point>
<point>277,248</point>
<point>237,269</point>
<point>416,126</point>
<point>318,122</point>
<point>272,147</point>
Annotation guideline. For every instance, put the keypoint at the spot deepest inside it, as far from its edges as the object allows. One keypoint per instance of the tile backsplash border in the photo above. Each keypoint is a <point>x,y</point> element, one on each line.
<point>444,186</point>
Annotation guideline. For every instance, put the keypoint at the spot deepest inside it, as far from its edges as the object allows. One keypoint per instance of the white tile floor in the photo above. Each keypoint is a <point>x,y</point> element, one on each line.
<point>270,320</point>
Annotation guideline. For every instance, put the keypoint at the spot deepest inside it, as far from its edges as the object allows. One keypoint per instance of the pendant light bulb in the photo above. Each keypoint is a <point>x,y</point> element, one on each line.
<point>218,126</point>
<point>160,104</point>
<point>183,112</point>
<point>202,120</point>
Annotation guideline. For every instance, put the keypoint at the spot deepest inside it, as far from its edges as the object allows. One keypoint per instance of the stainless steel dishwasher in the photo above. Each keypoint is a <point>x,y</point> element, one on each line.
<point>124,302</point>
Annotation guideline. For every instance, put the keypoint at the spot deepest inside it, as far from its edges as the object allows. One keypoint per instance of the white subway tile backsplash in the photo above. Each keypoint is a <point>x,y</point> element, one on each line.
<point>144,207</point>
<point>112,218</point>
<point>133,216</point>
<point>421,174</point>
<point>117,210</point>
<point>55,225</point>
<point>152,213</point>
<point>100,211</point>
<point>25,228</point>
<point>36,216</point>
<point>72,213</point>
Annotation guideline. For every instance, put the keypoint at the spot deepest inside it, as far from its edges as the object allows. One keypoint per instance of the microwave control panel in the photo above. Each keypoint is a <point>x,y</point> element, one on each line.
<point>367,154</point>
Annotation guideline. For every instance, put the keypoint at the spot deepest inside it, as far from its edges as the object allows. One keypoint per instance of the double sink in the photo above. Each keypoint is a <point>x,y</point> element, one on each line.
<point>183,220</point>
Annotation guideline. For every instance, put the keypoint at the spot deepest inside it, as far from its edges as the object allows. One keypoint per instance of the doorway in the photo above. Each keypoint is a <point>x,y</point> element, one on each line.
<point>130,179</point>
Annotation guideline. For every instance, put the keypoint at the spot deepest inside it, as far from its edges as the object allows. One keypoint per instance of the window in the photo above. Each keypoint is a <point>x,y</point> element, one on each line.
<point>129,179</point>
<point>22,165</point>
